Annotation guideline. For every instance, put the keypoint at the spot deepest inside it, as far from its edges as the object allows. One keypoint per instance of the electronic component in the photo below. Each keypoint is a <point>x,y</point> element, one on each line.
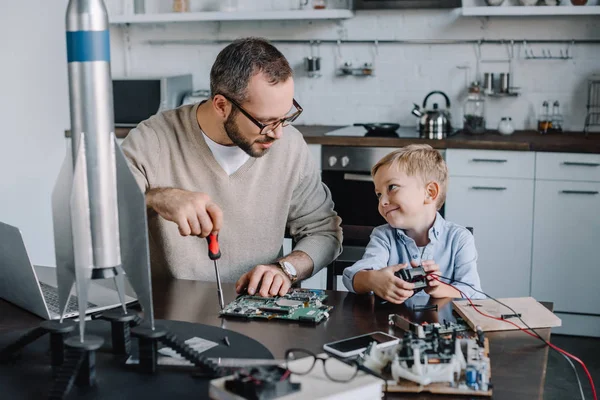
<point>421,330</point>
<point>416,275</point>
<point>430,358</point>
<point>300,305</point>
<point>262,383</point>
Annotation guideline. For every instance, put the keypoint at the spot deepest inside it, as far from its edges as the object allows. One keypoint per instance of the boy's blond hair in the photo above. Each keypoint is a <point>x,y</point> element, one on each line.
<point>422,161</point>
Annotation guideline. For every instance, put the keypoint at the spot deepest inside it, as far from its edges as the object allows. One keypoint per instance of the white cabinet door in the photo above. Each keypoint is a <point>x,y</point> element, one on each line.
<point>501,214</point>
<point>565,245</point>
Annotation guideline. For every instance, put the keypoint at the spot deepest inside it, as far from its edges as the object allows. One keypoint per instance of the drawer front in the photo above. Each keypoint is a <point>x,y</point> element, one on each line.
<point>568,167</point>
<point>491,163</point>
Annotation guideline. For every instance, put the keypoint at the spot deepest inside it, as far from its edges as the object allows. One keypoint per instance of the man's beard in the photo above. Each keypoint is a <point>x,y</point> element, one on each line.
<point>236,137</point>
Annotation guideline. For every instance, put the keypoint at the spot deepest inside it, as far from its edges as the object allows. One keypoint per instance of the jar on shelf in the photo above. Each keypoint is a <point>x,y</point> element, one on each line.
<point>181,5</point>
<point>474,111</point>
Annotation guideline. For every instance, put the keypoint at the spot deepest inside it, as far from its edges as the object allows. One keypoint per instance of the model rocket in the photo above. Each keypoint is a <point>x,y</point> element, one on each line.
<point>99,212</point>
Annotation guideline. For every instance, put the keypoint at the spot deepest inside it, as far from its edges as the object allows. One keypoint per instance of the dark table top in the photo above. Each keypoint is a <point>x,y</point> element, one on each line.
<point>518,360</point>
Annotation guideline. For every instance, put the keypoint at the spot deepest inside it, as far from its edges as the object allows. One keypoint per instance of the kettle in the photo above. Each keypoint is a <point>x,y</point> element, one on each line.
<point>434,123</point>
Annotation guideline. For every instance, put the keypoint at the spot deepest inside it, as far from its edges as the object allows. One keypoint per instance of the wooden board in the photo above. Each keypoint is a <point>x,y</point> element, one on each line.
<point>405,386</point>
<point>533,313</point>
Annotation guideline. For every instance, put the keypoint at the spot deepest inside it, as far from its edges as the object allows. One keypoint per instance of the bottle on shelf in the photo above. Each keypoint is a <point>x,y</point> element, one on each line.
<point>474,111</point>
<point>544,120</point>
<point>556,118</point>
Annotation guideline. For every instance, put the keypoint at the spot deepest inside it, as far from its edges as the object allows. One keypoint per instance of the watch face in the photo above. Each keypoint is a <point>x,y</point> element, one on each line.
<point>289,268</point>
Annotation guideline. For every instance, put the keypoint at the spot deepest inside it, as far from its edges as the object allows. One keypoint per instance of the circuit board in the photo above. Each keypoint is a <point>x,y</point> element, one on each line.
<point>298,305</point>
<point>442,360</point>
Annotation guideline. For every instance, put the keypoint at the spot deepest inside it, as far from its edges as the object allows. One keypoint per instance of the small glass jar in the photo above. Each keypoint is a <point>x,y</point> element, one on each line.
<point>181,5</point>
<point>474,111</point>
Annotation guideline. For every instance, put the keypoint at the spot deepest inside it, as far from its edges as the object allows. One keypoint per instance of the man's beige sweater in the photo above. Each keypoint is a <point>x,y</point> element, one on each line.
<point>263,197</point>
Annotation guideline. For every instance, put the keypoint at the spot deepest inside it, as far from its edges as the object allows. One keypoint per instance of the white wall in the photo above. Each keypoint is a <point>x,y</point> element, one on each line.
<point>34,114</point>
<point>34,100</point>
<point>404,73</point>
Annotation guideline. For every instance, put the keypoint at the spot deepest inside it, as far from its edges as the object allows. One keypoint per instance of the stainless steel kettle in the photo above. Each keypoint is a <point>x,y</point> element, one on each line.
<point>434,123</point>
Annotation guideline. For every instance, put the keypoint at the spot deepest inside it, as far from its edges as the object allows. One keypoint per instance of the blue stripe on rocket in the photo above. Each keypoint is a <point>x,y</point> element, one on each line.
<point>85,46</point>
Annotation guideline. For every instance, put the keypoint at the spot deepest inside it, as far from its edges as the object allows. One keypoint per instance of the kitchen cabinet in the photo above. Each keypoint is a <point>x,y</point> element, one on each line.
<point>492,191</point>
<point>565,232</point>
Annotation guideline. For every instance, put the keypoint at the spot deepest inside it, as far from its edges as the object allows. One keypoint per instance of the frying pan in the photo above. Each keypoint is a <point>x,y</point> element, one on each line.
<point>385,127</point>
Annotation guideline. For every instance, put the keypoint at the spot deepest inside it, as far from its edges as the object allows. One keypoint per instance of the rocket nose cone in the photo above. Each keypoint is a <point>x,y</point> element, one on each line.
<point>86,15</point>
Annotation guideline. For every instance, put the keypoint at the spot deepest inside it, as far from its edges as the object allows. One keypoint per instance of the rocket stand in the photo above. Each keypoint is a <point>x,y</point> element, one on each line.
<point>79,366</point>
<point>120,329</point>
<point>57,330</point>
<point>148,346</point>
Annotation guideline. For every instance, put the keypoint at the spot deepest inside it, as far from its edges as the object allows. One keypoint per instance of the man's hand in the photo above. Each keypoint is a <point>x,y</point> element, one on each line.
<point>385,284</point>
<point>193,212</point>
<point>268,280</point>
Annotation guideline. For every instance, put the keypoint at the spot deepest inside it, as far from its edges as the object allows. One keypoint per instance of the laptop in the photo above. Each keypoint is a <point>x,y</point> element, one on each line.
<point>34,287</point>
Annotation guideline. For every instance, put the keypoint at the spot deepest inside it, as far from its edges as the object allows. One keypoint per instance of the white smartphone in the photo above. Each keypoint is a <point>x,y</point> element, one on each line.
<point>357,344</point>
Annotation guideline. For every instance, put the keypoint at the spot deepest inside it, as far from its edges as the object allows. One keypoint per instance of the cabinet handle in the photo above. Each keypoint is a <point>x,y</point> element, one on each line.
<point>491,160</point>
<point>358,178</point>
<point>497,188</point>
<point>580,164</point>
<point>592,192</point>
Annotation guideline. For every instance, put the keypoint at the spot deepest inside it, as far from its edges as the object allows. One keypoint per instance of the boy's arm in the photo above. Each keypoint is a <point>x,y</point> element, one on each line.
<point>465,267</point>
<point>377,255</point>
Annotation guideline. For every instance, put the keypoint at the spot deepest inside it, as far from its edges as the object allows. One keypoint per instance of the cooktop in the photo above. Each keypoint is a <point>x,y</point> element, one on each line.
<point>357,131</point>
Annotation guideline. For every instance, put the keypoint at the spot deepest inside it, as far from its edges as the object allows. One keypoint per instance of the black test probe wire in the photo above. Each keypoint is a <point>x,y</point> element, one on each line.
<point>534,334</point>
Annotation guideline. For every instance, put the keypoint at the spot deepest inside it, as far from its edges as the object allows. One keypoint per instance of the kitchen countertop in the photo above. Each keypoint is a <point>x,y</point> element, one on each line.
<point>566,142</point>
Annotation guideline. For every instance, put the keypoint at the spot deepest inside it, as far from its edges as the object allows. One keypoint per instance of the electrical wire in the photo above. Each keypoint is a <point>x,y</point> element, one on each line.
<point>556,348</point>
<point>576,376</point>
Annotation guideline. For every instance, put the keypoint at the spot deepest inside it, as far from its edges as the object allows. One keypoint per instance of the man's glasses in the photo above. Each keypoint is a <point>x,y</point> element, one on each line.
<point>268,128</point>
<point>334,369</point>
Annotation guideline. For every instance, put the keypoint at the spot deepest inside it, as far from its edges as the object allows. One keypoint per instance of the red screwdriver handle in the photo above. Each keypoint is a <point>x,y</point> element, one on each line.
<point>214,253</point>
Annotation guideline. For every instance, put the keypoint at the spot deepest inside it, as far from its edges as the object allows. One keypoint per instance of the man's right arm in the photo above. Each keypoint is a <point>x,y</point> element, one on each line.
<point>193,212</point>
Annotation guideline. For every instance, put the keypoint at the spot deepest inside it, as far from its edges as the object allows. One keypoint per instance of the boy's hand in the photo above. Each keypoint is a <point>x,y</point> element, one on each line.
<point>433,285</point>
<point>388,286</point>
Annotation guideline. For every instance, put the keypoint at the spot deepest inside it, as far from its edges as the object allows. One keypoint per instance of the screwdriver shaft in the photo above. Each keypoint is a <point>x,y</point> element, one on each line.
<point>219,289</point>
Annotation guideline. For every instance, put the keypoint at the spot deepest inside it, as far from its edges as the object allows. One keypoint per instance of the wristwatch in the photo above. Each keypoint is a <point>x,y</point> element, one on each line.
<point>289,270</point>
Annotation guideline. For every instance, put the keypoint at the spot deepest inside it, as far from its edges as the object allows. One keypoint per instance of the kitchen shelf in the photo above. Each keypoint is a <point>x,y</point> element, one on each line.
<point>518,11</point>
<point>231,16</point>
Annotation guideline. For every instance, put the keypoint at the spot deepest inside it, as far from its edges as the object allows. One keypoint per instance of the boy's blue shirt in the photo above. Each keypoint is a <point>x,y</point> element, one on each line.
<point>451,246</point>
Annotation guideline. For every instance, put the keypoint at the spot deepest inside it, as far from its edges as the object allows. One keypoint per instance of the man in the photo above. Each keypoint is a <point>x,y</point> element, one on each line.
<point>232,166</point>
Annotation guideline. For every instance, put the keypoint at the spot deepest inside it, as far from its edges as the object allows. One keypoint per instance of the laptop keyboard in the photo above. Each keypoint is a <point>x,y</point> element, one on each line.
<point>51,297</point>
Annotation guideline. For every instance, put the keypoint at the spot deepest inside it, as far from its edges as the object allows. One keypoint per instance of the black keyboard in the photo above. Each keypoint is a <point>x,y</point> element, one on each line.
<point>51,297</point>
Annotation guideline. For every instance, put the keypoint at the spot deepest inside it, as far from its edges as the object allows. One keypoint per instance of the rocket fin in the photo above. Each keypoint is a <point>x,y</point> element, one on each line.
<point>81,230</point>
<point>120,284</point>
<point>133,226</point>
<point>63,234</point>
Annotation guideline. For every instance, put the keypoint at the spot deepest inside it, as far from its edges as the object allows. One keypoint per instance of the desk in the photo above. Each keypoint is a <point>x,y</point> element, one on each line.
<point>518,360</point>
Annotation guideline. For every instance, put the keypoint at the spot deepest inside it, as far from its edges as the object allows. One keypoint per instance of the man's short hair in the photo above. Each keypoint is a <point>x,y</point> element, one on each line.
<point>240,61</point>
<point>422,161</point>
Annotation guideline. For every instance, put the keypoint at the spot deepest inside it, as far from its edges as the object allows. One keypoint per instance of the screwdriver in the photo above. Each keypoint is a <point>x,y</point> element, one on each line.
<point>214,253</point>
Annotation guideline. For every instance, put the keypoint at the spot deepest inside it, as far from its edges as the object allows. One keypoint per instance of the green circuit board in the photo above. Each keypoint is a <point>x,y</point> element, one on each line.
<point>298,305</point>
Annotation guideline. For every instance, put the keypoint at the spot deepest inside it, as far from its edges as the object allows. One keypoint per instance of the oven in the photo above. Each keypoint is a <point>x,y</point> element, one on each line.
<point>346,171</point>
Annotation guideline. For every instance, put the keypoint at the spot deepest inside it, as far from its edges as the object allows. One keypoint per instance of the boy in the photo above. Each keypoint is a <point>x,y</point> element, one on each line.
<point>410,184</point>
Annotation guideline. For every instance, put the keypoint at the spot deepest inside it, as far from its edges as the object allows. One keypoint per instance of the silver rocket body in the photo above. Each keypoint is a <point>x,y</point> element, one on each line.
<point>99,212</point>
